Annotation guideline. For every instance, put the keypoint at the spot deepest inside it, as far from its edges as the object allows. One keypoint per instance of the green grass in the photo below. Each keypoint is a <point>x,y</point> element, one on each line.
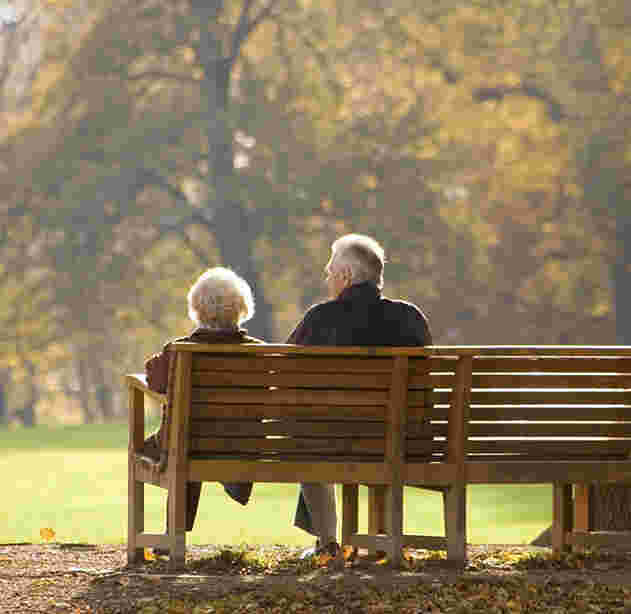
<point>74,480</point>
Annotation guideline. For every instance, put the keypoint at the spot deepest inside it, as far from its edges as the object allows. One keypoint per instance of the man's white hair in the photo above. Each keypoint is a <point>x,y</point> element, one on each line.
<point>220,299</point>
<point>362,255</point>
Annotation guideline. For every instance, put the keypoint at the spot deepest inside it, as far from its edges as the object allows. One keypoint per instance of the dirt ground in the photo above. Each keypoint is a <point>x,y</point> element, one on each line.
<point>95,579</point>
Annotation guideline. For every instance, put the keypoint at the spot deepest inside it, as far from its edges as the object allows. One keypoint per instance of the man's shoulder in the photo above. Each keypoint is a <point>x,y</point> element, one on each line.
<point>402,306</point>
<point>323,309</point>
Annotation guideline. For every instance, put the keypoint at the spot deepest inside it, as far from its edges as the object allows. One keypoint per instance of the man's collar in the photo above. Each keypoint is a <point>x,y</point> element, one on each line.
<point>365,291</point>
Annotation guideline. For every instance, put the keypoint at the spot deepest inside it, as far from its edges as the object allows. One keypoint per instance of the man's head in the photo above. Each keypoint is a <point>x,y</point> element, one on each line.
<point>220,299</point>
<point>354,259</point>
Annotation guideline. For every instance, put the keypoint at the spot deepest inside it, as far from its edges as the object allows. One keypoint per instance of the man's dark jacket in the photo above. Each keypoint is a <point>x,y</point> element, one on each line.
<point>359,316</point>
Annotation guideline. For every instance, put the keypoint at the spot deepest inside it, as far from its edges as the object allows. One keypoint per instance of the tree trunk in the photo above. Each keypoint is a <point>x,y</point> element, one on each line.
<point>103,394</point>
<point>622,278</point>
<point>28,413</point>
<point>89,416</point>
<point>609,507</point>
<point>4,401</point>
<point>228,219</point>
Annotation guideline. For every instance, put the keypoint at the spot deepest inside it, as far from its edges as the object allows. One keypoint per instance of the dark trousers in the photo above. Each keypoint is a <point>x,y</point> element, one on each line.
<point>239,491</point>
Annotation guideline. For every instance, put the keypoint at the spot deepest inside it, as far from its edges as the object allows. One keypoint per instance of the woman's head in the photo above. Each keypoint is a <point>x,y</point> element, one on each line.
<point>220,299</point>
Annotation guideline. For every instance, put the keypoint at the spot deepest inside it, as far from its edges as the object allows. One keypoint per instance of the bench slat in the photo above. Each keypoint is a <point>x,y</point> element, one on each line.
<point>616,413</point>
<point>552,449</point>
<point>291,364</point>
<point>375,381</point>
<point>621,429</point>
<point>302,428</point>
<point>622,380</point>
<point>550,397</point>
<point>290,397</point>
<point>552,365</point>
<point>296,445</point>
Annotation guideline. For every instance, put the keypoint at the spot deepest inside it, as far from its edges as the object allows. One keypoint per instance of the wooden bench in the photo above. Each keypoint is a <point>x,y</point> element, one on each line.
<point>279,413</point>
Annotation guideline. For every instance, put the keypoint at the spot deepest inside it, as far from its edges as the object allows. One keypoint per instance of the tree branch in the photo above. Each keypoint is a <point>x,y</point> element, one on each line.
<point>158,74</point>
<point>241,31</point>
<point>246,27</point>
<point>555,109</point>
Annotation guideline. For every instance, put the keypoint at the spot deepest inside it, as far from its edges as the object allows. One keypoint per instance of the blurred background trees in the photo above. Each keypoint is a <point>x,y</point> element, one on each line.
<point>486,145</point>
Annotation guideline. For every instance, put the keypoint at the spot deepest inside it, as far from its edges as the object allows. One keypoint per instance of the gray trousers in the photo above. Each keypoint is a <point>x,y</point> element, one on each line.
<point>315,512</point>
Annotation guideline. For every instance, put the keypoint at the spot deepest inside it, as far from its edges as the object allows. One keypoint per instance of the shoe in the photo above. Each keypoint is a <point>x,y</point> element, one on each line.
<point>332,549</point>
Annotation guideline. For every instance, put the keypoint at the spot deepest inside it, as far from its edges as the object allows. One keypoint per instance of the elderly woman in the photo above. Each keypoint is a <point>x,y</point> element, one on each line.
<point>218,303</point>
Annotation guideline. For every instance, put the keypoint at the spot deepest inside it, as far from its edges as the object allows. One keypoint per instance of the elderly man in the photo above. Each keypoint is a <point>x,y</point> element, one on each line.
<point>357,314</point>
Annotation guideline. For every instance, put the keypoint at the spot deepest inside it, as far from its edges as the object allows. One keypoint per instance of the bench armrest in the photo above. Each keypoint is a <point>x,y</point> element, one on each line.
<point>139,381</point>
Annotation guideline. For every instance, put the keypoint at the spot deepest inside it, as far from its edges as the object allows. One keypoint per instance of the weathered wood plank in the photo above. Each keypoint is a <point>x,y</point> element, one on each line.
<point>396,446</point>
<point>567,413</point>
<point>457,449</point>
<point>303,428</point>
<point>241,379</point>
<point>153,540</point>
<point>135,487</point>
<point>207,411</point>
<point>561,515</point>
<point>433,364</point>
<point>139,381</point>
<point>323,446</point>
<point>290,397</point>
<point>581,507</point>
<point>350,512</point>
<point>551,397</point>
<point>245,470</point>
<point>552,365</point>
<point>332,429</point>
<point>551,449</point>
<point>291,364</point>
<point>296,445</point>
<point>600,539</point>
<point>510,380</point>
<point>435,350</point>
<point>177,468</point>
<point>433,380</point>
<point>533,472</point>
<point>542,429</point>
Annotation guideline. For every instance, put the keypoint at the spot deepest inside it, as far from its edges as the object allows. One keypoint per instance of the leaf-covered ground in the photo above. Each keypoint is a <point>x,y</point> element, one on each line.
<point>82,579</point>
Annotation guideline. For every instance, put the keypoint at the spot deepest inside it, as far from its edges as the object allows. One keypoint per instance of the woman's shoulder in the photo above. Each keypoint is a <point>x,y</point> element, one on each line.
<point>249,339</point>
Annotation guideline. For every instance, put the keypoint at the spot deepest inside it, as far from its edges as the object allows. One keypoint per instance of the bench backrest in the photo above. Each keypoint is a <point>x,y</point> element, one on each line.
<point>539,403</point>
<point>292,404</point>
<point>367,404</point>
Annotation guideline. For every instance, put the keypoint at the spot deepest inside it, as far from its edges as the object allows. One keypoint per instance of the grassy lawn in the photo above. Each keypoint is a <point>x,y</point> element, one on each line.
<point>74,480</point>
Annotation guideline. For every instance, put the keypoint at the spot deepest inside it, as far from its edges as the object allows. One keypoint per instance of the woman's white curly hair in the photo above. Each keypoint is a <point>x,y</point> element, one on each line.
<point>220,299</point>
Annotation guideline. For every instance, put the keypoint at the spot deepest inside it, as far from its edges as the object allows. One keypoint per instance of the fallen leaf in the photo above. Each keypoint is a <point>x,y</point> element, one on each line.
<point>149,555</point>
<point>47,534</point>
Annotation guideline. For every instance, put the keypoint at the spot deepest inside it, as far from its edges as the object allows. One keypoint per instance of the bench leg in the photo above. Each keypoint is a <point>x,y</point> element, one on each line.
<point>350,512</point>
<point>455,501</point>
<point>581,521</point>
<point>376,510</point>
<point>562,515</point>
<point>177,524</point>
<point>135,515</point>
<point>394,523</point>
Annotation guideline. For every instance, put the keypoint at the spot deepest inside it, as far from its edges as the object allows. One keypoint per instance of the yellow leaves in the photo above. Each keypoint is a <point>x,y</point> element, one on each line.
<point>367,181</point>
<point>47,534</point>
<point>186,54</point>
<point>149,555</point>
<point>47,77</point>
<point>59,4</point>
